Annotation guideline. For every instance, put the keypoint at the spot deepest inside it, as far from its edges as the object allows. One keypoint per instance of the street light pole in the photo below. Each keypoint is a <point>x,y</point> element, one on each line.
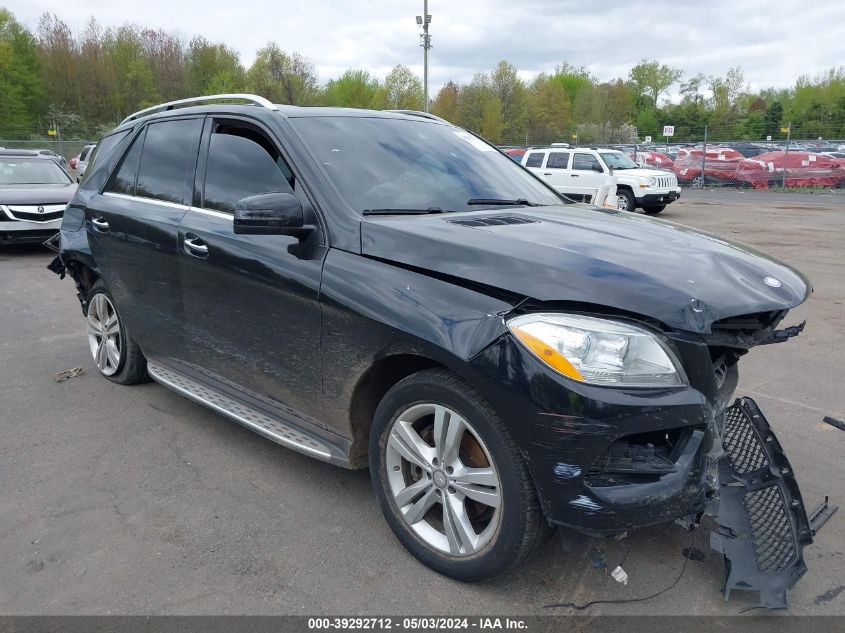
<point>424,20</point>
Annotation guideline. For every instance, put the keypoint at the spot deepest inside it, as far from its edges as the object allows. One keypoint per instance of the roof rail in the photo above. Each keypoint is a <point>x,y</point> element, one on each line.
<point>424,115</point>
<point>170,105</point>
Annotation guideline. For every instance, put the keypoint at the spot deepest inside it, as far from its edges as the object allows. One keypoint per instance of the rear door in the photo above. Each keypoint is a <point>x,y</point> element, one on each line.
<point>133,226</point>
<point>556,171</point>
<point>251,301</point>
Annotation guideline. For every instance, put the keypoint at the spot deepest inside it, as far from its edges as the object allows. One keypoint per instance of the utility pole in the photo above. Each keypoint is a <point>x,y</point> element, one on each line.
<point>424,20</point>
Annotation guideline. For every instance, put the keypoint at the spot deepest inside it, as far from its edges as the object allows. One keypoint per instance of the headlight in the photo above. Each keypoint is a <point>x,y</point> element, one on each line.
<point>599,351</point>
<point>653,181</point>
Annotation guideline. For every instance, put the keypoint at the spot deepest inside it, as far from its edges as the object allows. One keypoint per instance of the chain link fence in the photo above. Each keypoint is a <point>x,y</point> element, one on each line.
<point>67,149</point>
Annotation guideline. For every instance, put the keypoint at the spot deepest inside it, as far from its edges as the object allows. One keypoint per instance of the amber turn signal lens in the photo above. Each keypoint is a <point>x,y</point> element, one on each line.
<point>549,355</point>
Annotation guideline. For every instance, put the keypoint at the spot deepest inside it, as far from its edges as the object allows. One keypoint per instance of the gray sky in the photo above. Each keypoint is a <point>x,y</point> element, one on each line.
<point>773,40</point>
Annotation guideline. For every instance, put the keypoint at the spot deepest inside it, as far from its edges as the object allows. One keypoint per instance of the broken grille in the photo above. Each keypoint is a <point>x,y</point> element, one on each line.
<point>771,531</point>
<point>742,443</point>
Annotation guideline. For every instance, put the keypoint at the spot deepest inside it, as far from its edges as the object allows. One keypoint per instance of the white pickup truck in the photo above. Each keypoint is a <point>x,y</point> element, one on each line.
<point>579,172</point>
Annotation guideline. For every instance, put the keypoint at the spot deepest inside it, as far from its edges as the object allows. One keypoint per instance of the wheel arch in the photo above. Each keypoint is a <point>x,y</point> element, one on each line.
<point>369,391</point>
<point>84,277</point>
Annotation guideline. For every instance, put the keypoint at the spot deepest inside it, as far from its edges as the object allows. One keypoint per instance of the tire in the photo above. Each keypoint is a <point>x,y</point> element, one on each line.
<point>501,535</point>
<point>654,210</point>
<point>118,358</point>
<point>625,200</point>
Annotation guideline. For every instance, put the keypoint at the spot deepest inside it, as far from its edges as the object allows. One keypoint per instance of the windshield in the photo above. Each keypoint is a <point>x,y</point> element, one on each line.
<point>382,163</point>
<point>37,171</point>
<point>618,160</point>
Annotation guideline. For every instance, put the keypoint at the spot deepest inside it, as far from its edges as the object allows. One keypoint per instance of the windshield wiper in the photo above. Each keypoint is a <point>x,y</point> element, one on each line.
<point>519,202</point>
<point>403,211</point>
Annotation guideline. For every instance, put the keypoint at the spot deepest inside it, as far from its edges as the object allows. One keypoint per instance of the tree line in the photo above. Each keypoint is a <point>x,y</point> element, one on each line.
<point>83,83</point>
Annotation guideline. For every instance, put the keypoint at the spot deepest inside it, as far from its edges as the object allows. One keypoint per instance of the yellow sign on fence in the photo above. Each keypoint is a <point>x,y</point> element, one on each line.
<point>51,132</point>
<point>784,130</point>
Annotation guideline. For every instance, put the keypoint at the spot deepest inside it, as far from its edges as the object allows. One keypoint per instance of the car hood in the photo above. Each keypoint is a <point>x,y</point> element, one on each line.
<point>684,278</point>
<point>37,194</point>
<point>639,172</point>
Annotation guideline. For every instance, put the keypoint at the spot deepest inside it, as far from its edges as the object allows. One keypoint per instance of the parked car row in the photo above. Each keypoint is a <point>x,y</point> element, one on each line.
<point>725,165</point>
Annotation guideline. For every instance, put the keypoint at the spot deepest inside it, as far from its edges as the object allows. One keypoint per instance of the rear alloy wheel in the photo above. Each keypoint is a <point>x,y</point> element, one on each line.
<point>451,482</point>
<point>117,356</point>
<point>104,336</point>
<point>625,200</point>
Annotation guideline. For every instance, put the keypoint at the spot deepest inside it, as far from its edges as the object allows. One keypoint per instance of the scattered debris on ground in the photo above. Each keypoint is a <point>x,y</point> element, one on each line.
<point>67,374</point>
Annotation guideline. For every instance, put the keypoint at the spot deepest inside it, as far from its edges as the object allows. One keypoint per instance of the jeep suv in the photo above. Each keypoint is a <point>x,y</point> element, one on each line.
<point>578,173</point>
<point>386,290</point>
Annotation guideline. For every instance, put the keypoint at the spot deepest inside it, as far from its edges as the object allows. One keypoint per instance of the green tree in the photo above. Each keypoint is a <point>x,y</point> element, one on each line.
<point>401,90</point>
<point>651,78</point>
<point>549,111</point>
<point>509,89</point>
<point>21,93</point>
<point>209,66</point>
<point>492,124</point>
<point>283,78</point>
<point>353,89</point>
<point>446,102</point>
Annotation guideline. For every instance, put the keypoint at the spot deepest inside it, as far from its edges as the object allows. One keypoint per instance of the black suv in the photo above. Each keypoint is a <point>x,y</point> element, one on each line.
<point>384,289</point>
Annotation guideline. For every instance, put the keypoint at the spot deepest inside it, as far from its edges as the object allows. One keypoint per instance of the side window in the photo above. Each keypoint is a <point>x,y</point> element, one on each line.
<point>535,159</point>
<point>123,179</point>
<point>558,160</point>
<point>242,162</point>
<point>586,162</point>
<point>169,154</point>
<point>106,145</point>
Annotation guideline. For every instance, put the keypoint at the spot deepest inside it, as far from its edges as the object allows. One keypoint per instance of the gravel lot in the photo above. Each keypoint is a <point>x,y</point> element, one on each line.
<point>133,500</point>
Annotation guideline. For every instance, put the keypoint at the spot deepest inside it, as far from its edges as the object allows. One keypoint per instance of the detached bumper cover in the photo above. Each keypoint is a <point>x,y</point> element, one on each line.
<point>761,523</point>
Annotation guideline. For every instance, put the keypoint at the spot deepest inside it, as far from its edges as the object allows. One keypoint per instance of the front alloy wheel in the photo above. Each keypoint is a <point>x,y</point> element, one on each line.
<point>450,479</point>
<point>443,480</point>
<point>104,334</point>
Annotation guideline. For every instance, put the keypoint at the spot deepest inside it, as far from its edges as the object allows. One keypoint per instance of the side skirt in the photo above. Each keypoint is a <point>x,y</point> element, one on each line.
<point>269,425</point>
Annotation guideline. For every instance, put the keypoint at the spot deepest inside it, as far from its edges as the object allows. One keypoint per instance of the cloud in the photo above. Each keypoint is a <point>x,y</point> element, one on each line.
<point>473,35</point>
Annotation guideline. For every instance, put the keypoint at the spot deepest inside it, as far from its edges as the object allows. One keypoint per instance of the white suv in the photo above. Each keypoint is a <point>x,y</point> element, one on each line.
<point>579,172</point>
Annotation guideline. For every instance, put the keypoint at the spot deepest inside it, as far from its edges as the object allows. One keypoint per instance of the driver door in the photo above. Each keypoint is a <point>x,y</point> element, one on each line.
<point>587,174</point>
<point>251,301</point>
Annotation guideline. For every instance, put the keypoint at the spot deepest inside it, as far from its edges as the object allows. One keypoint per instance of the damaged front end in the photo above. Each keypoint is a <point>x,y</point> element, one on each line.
<point>608,460</point>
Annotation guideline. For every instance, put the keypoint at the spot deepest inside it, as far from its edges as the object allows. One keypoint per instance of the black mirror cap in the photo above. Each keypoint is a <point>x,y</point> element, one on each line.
<point>270,214</point>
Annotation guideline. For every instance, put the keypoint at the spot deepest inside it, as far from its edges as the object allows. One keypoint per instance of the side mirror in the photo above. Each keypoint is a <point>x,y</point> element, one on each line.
<point>271,214</point>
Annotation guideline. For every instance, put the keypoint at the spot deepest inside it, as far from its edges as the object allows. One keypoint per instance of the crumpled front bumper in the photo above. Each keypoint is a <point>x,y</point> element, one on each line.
<point>761,522</point>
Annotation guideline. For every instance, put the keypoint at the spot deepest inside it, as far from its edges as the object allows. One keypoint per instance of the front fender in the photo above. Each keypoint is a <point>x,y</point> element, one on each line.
<point>372,309</point>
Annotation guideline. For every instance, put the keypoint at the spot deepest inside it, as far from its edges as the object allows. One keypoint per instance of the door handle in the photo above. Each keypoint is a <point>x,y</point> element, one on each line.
<point>194,246</point>
<point>576,175</point>
<point>100,224</point>
<point>547,173</point>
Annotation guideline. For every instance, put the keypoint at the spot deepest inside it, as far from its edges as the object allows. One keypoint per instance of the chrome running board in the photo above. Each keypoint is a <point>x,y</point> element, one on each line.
<point>254,419</point>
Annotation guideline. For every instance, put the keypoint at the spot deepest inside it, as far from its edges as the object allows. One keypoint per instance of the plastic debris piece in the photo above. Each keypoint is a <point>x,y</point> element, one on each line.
<point>67,374</point>
<point>620,575</point>
<point>599,560</point>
